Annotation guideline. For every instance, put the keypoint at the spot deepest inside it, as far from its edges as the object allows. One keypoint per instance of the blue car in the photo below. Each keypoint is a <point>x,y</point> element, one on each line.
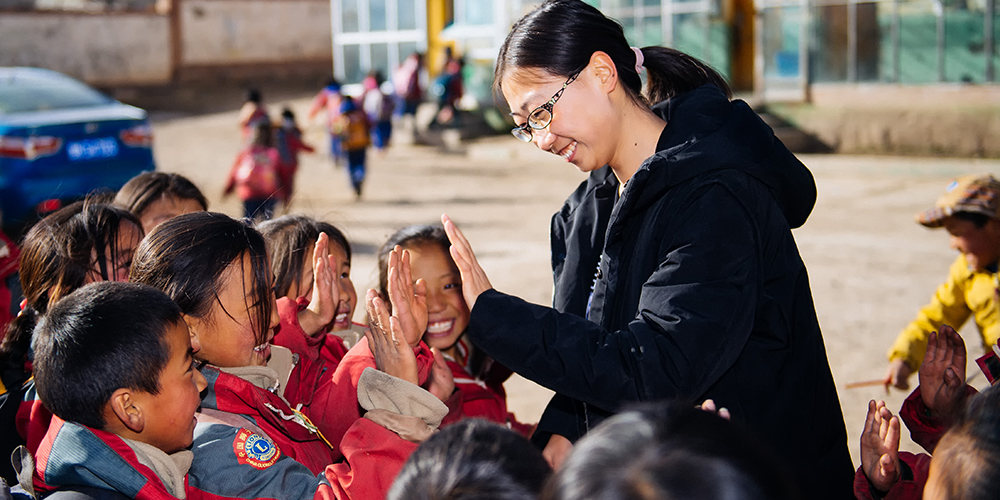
<point>60,140</point>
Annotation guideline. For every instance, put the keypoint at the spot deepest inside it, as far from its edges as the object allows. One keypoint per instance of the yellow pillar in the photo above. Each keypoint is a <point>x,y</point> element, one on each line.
<point>440,13</point>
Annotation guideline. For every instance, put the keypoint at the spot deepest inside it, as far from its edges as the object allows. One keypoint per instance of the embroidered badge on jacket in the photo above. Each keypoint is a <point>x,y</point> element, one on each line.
<point>255,450</point>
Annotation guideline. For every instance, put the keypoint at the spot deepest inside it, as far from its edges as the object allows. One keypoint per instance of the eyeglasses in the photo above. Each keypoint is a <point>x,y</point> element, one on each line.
<point>541,116</point>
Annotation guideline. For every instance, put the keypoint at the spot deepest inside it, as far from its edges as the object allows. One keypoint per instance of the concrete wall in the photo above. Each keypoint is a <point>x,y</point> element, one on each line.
<point>221,32</point>
<point>107,49</point>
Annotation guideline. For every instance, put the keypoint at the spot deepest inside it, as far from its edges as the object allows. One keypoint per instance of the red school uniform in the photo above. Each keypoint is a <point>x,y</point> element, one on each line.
<point>482,397</point>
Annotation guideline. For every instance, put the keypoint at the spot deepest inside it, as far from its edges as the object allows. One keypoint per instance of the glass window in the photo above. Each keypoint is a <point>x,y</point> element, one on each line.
<point>380,57</point>
<point>352,64</point>
<point>828,58</point>
<point>652,31</point>
<point>476,12</point>
<point>405,49</point>
<point>781,48</point>
<point>349,16</point>
<point>917,43</point>
<point>376,15</point>
<point>407,11</point>
<point>964,59</point>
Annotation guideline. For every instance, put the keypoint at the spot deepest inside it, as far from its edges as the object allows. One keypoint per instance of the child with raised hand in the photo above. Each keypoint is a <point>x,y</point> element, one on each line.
<point>261,401</point>
<point>128,428</point>
<point>157,196</point>
<point>81,243</point>
<point>311,262</point>
<point>478,379</point>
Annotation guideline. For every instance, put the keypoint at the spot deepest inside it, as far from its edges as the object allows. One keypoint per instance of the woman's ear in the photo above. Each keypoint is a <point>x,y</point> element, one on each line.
<point>604,70</point>
<point>123,405</point>
<point>194,325</point>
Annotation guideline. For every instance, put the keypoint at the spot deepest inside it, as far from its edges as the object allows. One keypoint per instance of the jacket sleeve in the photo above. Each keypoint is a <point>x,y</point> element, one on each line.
<point>947,307</point>
<point>694,316</point>
<point>373,456</point>
<point>914,471</point>
<point>924,429</point>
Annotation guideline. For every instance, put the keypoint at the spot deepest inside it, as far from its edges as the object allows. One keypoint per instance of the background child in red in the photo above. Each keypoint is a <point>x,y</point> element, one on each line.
<point>288,142</point>
<point>254,175</point>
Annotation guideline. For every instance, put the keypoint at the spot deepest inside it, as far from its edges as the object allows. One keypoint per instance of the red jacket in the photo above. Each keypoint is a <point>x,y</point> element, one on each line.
<point>482,397</point>
<point>334,419</point>
<point>9,254</point>
<point>328,348</point>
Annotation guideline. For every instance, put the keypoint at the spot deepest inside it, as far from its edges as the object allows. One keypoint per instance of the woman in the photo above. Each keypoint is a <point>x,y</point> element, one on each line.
<point>676,274</point>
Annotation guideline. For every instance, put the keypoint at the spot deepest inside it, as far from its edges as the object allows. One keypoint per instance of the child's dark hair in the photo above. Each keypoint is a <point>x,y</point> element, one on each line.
<point>969,453</point>
<point>670,450</point>
<point>98,339</point>
<point>57,255</point>
<point>142,190</point>
<point>288,239</point>
<point>560,36</point>
<point>409,236</point>
<point>186,257</point>
<point>472,459</point>
<point>253,95</point>
<point>286,113</point>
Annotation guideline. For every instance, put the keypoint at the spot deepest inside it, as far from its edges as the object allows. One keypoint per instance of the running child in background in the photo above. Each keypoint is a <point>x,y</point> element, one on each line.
<point>288,142</point>
<point>355,137</point>
<point>328,100</point>
<point>379,106</point>
<point>131,345</point>
<point>254,175</point>
<point>154,197</point>
<point>311,262</point>
<point>970,211</point>
<point>478,379</point>
<point>252,114</point>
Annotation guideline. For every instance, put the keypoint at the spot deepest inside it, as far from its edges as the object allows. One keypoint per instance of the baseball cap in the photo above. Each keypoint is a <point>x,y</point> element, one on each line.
<point>977,194</point>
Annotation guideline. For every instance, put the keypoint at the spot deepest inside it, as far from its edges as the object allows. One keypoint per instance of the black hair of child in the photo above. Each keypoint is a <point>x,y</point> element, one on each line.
<point>288,239</point>
<point>670,450</point>
<point>187,256</point>
<point>142,190</point>
<point>101,338</point>
<point>979,220</point>
<point>473,459</point>
<point>970,457</point>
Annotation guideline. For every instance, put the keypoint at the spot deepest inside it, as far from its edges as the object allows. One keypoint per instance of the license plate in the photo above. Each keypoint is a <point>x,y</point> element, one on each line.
<point>92,149</point>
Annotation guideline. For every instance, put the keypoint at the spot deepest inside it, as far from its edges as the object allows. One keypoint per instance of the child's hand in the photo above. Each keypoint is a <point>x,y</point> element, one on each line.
<point>898,375</point>
<point>880,447</point>
<point>942,374</point>
<point>441,382</point>
<point>409,299</point>
<point>474,279</point>
<point>325,295</point>
<point>384,336</point>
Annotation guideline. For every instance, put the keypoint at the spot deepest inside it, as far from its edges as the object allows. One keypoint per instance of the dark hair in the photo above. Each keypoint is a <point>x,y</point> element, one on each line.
<point>253,95</point>
<point>57,255</point>
<point>670,450</point>
<point>288,239</point>
<point>472,459</point>
<point>560,36</point>
<point>409,236</point>
<point>187,256</point>
<point>262,134</point>
<point>969,453</point>
<point>142,190</point>
<point>287,114</point>
<point>98,339</point>
<point>978,219</point>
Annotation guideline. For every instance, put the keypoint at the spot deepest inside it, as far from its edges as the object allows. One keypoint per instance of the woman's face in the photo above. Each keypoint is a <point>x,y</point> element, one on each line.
<point>129,236</point>
<point>226,335</point>
<point>447,313</point>
<point>579,130</point>
<point>342,279</point>
<point>167,207</point>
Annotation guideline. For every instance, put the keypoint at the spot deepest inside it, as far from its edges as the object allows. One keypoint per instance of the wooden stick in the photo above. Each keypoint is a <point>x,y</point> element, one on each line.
<point>866,383</point>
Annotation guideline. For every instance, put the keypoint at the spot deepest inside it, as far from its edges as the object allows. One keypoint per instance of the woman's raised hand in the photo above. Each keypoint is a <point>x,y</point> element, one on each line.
<point>474,279</point>
<point>409,299</point>
<point>386,341</point>
<point>325,295</point>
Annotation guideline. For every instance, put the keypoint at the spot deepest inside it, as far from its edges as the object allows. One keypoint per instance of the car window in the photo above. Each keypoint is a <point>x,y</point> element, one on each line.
<point>23,91</point>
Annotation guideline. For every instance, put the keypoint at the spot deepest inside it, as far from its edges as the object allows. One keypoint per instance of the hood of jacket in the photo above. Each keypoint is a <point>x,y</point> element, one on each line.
<point>706,132</point>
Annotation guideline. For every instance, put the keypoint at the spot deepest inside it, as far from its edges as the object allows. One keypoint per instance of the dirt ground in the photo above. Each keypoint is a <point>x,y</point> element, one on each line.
<point>871,266</point>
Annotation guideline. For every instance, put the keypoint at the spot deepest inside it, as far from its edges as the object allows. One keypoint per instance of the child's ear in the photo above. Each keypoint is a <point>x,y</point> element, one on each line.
<point>123,405</point>
<point>194,328</point>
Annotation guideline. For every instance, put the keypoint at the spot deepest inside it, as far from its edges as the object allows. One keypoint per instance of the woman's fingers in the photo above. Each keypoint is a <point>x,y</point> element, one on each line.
<point>474,279</point>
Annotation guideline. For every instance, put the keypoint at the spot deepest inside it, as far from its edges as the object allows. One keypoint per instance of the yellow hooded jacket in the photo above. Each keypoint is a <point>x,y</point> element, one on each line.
<point>966,292</point>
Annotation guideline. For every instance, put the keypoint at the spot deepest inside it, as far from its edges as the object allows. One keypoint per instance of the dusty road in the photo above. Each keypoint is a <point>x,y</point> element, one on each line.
<point>870,265</point>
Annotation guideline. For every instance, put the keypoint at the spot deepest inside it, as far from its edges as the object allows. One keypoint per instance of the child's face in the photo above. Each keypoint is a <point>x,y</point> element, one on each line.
<point>169,415</point>
<point>447,314</point>
<point>980,246</point>
<point>129,236</point>
<point>167,207</point>
<point>342,273</point>
<point>226,335</point>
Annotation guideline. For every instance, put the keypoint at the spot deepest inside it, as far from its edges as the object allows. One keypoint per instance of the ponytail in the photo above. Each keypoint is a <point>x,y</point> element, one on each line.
<point>15,346</point>
<point>672,72</point>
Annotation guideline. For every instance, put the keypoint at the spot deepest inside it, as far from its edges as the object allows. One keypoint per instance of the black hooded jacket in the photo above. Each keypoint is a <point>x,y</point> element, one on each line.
<point>695,290</point>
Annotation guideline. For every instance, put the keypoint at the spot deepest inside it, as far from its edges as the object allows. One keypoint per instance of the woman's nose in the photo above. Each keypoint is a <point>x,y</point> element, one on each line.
<point>543,138</point>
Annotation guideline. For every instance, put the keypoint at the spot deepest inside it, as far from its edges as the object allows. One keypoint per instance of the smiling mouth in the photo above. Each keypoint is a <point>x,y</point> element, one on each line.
<point>568,151</point>
<point>440,328</point>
